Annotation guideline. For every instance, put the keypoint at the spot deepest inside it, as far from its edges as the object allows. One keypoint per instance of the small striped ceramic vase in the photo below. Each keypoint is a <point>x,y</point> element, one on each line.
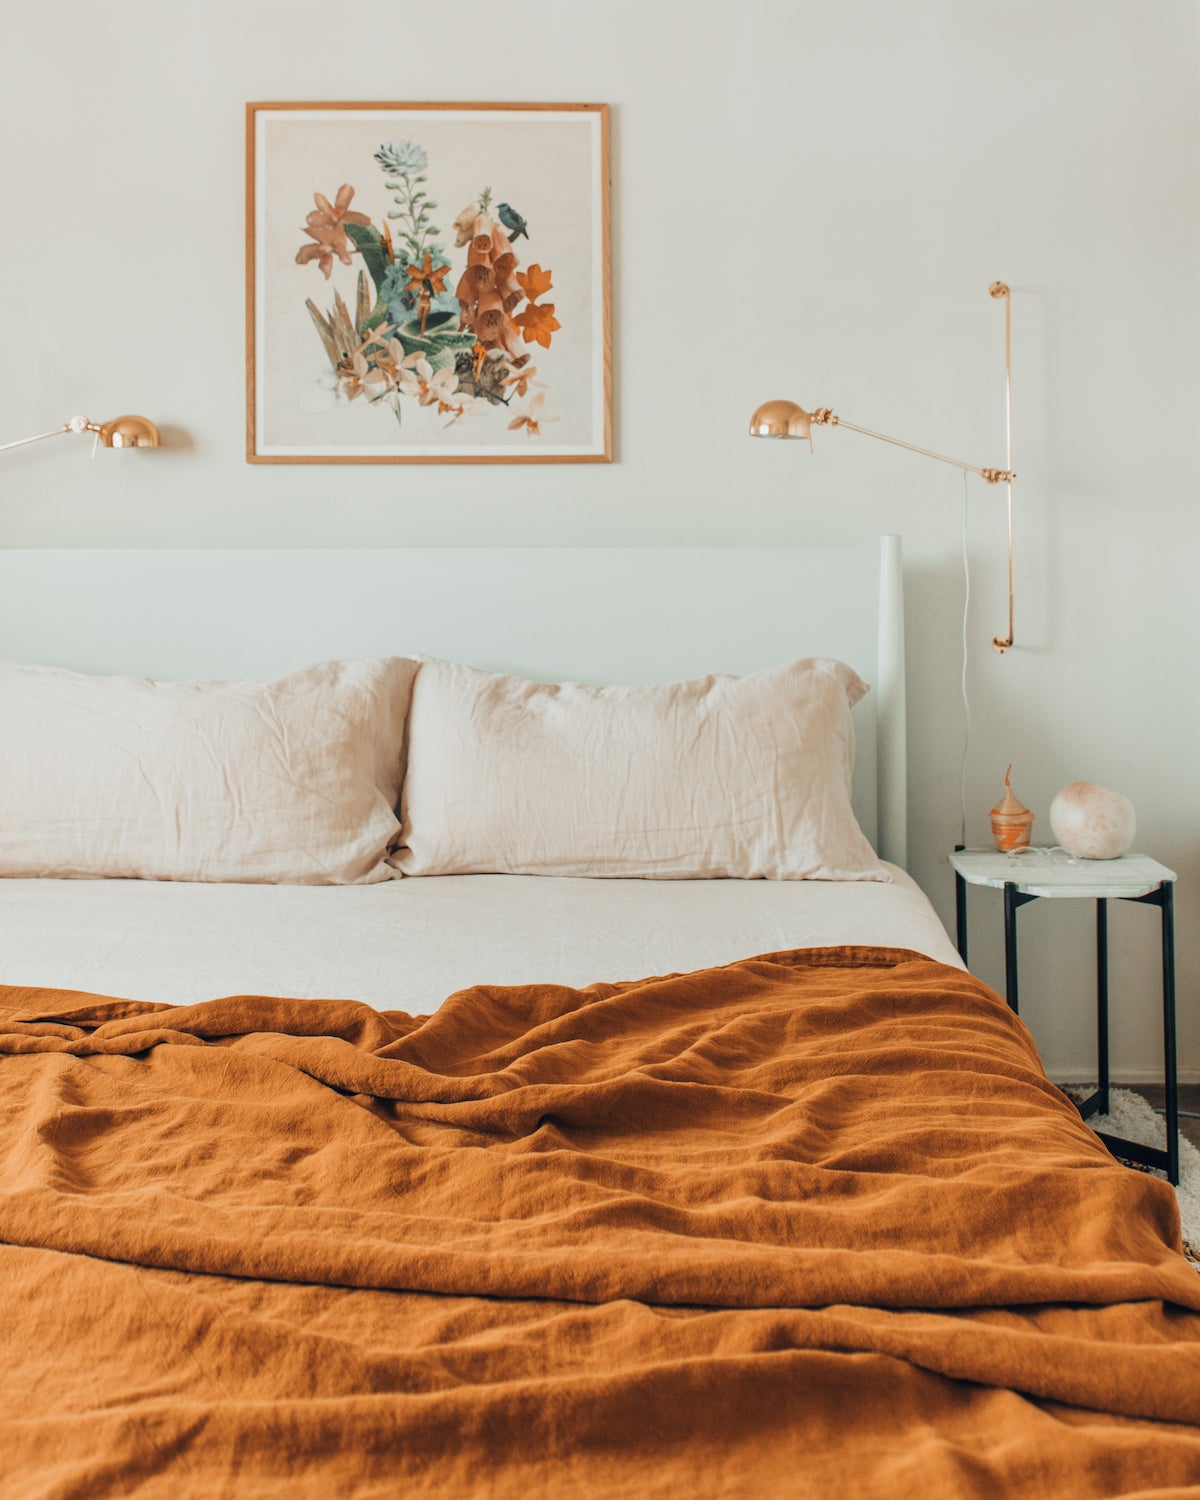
<point>1012,822</point>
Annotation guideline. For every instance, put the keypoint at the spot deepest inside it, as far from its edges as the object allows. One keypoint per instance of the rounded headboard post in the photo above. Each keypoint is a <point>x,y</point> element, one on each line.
<point>892,762</point>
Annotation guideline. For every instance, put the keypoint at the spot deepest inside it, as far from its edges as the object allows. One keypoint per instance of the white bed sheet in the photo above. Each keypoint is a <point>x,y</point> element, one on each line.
<point>407,944</point>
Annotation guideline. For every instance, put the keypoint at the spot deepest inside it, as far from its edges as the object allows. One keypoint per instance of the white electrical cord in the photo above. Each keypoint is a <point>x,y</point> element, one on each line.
<point>962,770</point>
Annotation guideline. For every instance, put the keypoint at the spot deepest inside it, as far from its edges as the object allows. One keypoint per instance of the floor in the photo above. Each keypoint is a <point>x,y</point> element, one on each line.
<point>1189,1099</point>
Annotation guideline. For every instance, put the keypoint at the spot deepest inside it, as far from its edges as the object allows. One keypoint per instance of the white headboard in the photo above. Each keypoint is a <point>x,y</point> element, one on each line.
<point>596,614</point>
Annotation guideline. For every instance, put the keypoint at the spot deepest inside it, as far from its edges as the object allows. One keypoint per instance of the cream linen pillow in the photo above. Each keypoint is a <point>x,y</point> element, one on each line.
<point>724,776</point>
<point>292,781</point>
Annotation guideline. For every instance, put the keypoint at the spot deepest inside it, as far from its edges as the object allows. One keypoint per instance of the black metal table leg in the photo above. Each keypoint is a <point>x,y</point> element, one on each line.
<point>1167,891</point>
<point>1102,1003</point>
<point>960,915</point>
<point>1010,948</point>
<point>1013,901</point>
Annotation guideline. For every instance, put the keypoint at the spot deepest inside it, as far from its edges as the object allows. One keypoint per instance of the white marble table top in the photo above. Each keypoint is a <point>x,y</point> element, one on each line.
<point>1038,872</point>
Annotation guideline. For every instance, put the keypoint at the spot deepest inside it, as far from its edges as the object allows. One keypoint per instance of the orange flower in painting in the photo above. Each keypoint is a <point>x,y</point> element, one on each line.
<point>534,282</point>
<point>537,323</point>
<point>327,225</point>
<point>361,379</point>
<point>520,380</point>
<point>456,407</point>
<point>529,419</point>
<point>418,379</point>
<point>421,278</point>
<point>322,254</point>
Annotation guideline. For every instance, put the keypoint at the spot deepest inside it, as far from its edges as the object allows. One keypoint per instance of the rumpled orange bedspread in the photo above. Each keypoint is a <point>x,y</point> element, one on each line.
<point>811,1224</point>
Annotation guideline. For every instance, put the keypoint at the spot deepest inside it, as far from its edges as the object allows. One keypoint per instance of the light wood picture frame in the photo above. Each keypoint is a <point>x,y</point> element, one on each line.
<point>388,322</point>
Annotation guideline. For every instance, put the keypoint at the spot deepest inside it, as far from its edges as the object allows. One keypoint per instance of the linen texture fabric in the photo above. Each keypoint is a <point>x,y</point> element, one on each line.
<point>183,941</point>
<point>294,780</point>
<point>809,1224</point>
<point>745,777</point>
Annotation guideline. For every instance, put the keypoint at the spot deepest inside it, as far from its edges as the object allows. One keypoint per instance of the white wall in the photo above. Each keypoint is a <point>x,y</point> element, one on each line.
<point>809,200</point>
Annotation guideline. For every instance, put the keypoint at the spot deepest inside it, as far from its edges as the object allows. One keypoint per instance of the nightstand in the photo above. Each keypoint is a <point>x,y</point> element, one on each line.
<point>1133,877</point>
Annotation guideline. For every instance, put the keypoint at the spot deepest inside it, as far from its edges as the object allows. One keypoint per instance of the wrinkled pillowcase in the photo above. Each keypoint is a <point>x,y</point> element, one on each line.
<point>722,776</point>
<point>293,781</point>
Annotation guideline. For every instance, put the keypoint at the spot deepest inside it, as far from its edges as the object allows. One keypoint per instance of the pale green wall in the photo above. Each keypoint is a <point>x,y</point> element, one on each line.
<point>809,200</point>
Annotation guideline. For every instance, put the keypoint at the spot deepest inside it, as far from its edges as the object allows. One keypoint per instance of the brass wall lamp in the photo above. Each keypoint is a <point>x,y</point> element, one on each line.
<point>120,432</point>
<point>785,419</point>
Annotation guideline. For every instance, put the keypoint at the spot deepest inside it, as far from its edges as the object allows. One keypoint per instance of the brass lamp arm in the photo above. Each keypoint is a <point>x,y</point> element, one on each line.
<point>38,436</point>
<point>824,417</point>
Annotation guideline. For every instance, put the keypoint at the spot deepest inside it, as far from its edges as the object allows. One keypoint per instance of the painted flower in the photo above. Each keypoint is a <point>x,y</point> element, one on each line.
<point>380,334</point>
<point>359,378</point>
<point>464,225</point>
<point>401,158</point>
<point>390,359</point>
<point>419,380</point>
<point>521,380</point>
<point>322,254</point>
<point>458,405</point>
<point>530,417</point>
<point>534,282</point>
<point>428,276</point>
<point>537,323</point>
<point>326,224</point>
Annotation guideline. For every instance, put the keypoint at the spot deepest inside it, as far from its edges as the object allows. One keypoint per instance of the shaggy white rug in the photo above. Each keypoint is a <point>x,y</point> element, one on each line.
<point>1130,1116</point>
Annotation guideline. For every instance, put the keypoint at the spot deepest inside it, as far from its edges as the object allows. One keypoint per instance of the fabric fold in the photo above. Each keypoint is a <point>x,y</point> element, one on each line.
<point>810,1188</point>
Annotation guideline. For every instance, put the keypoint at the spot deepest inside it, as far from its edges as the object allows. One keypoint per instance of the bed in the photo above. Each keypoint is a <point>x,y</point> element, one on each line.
<point>404,945</point>
<point>517,1185</point>
<point>667,613</point>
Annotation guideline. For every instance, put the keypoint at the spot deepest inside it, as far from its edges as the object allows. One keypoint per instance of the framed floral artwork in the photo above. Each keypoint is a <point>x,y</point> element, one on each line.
<point>428,283</point>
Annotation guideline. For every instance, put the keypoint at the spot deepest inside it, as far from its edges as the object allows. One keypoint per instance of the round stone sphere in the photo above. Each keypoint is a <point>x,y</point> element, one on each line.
<point>1093,822</point>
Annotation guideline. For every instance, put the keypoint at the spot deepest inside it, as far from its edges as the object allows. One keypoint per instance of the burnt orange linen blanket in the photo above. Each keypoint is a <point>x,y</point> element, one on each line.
<point>808,1224</point>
